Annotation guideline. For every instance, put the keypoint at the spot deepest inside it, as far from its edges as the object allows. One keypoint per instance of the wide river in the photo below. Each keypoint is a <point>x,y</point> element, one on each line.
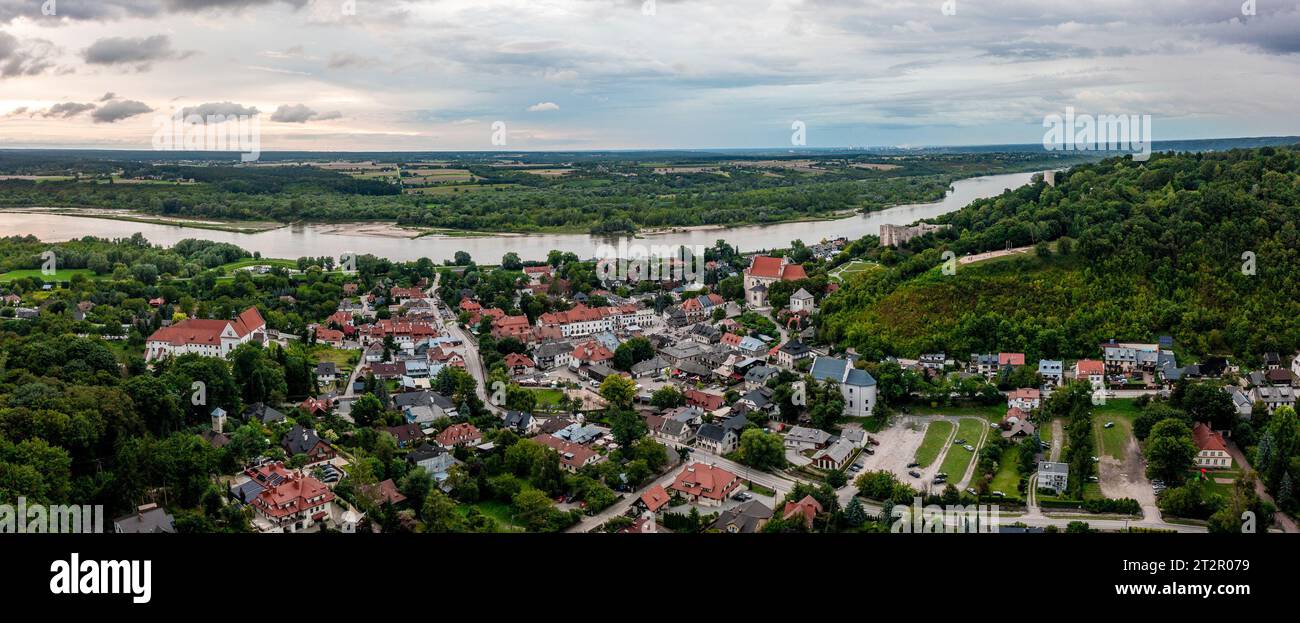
<point>331,240</point>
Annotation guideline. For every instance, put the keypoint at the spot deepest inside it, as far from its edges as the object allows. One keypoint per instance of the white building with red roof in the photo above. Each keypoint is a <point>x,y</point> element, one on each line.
<point>1211,451</point>
<point>763,271</point>
<point>293,503</point>
<point>209,338</point>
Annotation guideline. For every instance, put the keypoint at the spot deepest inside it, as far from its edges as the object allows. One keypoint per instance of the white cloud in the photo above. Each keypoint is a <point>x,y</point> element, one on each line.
<point>543,106</point>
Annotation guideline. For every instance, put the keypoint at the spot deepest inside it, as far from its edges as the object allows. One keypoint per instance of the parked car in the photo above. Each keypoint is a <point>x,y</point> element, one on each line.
<point>913,464</point>
<point>970,490</point>
<point>914,474</point>
<point>961,441</point>
<point>969,448</point>
<point>1109,425</point>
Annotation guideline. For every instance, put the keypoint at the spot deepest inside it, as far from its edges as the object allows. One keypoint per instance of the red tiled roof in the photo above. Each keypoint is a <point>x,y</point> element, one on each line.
<point>706,481</point>
<point>1207,439</point>
<point>1015,359</point>
<point>774,268</point>
<point>293,496</point>
<point>655,498</point>
<point>519,359</point>
<point>1089,367</point>
<point>592,351</point>
<point>198,331</point>
<point>807,507</point>
<point>458,434</point>
<point>572,455</point>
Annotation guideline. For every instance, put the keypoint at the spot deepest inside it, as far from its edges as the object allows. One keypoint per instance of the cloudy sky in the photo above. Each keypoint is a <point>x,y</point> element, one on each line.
<point>615,74</point>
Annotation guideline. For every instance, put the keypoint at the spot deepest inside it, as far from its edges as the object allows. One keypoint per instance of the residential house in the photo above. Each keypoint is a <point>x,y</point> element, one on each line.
<point>1052,372</point>
<point>263,413</point>
<point>805,510</point>
<point>521,422</point>
<point>296,503</point>
<point>382,493</point>
<point>801,438</point>
<point>1024,398</point>
<point>406,435</point>
<point>305,441</point>
<point>1090,370</point>
<point>705,484</point>
<point>1273,397</point>
<point>1211,451</point>
<point>463,434</point>
<point>758,376</point>
<point>147,519</point>
<point>573,456</point>
<point>1129,357</point>
<point>792,352</point>
<point>716,439</point>
<point>747,518</point>
<point>552,354</point>
<point>1055,476</point>
<point>435,460</point>
<point>654,498</point>
<point>708,401</point>
<point>326,373</point>
<point>518,364</point>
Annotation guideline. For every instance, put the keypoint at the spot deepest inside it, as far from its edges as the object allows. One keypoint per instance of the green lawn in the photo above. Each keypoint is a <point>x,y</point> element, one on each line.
<point>991,413</point>
<point>1114,440</point>
<point>226,268</point>
<point>498,510</point>
<point>548,397</point>
<point>959,458</point>
<point>935,436</point>
<point>345,359</point>
<point>64,274</point>
<point>1007,478</point>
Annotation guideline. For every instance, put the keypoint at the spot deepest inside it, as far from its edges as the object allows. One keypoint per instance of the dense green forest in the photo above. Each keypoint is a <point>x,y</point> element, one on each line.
<point>600,196</point>
<point>1202,247</point>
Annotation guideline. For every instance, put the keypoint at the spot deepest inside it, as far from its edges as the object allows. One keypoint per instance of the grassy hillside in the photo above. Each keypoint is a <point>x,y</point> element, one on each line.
<point>1139,250</point>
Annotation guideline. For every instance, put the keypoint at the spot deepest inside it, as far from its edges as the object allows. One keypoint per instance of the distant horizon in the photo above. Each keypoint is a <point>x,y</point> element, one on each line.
<point>1277,139</point>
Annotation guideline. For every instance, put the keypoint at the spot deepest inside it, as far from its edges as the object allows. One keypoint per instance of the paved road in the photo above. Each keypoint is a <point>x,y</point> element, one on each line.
<point>473,363</point>
<point>1284,521</point>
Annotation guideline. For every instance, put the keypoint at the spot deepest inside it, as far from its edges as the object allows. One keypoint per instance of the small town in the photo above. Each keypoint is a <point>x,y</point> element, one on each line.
<point>535,396</point>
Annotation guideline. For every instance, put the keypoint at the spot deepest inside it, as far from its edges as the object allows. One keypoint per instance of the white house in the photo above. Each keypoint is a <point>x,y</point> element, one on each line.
<point>857,386</point>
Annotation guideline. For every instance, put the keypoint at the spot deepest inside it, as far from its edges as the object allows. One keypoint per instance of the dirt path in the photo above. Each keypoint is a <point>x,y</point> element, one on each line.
<point>1058,432</point>
<point>1128,479</point>
<point>975,458</point>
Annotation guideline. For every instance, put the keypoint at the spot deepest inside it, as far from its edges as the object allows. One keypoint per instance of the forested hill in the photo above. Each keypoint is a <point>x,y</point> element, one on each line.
<point>1125,250</point>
